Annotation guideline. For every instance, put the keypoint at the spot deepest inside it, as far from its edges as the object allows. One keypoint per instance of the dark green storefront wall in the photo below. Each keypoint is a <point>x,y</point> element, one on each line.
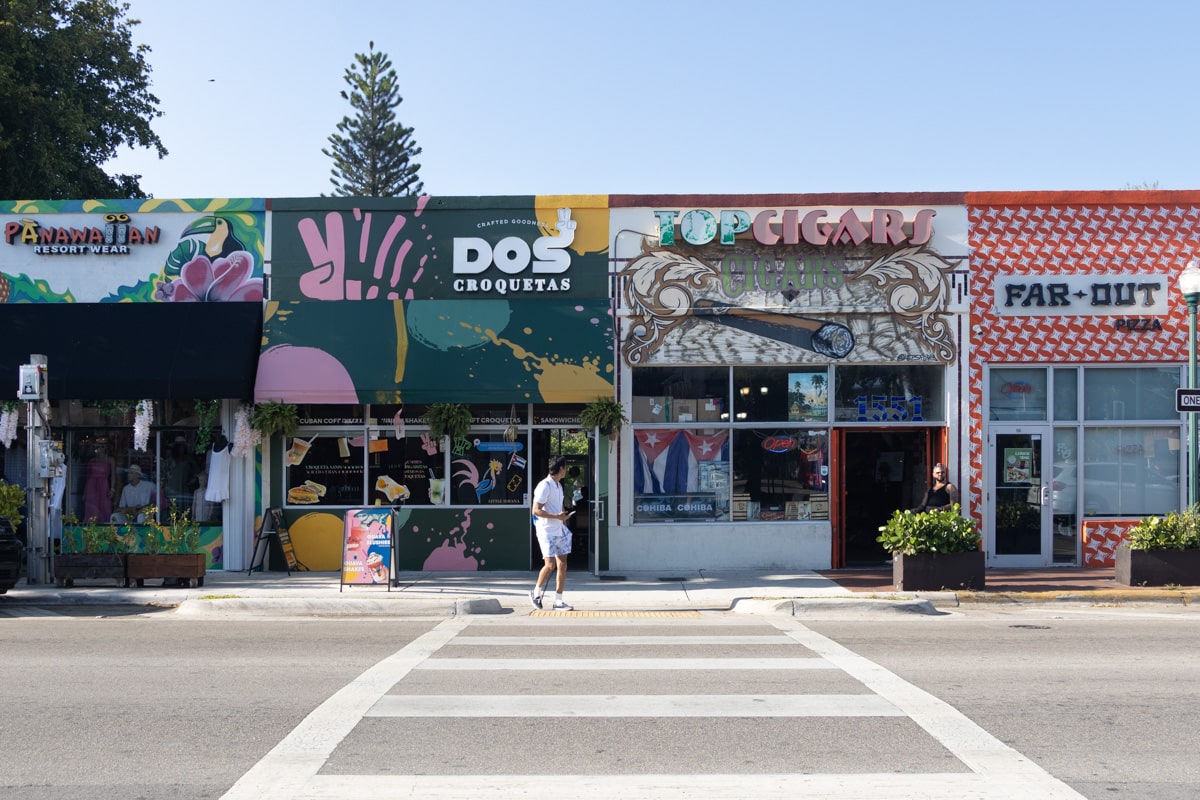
<point>452,540</point>
<point>426,351</point>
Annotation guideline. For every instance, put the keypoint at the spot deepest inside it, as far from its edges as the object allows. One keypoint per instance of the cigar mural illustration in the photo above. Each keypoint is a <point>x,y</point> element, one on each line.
<point>895,305</point>
<point>830,339</point>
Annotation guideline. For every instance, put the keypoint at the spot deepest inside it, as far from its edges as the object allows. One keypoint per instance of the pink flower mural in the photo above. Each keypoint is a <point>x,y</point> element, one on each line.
<point>226,279</point>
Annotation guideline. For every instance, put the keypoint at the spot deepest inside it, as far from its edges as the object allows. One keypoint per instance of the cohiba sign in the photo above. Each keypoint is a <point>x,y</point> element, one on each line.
<point>795,226</point>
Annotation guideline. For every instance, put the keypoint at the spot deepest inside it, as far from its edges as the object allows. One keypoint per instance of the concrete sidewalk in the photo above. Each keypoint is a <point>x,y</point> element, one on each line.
<point>444,594</point>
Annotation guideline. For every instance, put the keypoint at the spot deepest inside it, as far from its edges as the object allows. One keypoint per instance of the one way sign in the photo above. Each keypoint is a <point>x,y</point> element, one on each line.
<point>1187,399</point>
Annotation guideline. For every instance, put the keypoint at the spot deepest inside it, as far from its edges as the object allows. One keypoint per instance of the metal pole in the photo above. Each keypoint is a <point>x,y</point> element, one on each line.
<point>1193,482</point>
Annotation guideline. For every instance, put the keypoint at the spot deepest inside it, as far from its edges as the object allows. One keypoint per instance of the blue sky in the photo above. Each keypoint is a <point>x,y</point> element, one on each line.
<point>634,96</point>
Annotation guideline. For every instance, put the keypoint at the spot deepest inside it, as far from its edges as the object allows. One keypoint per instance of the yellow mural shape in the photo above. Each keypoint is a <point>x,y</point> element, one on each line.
<point>558,382</point>
<point>590,211</point>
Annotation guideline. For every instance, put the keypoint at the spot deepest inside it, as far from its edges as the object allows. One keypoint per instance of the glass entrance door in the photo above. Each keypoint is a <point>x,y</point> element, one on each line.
<point>1019,512</point>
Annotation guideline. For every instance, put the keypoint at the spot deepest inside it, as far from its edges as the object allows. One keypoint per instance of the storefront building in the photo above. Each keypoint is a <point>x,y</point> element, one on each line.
<point>379,308</point>
<point>1080,337</point>
<point>793,367</point>
<point>129,301</point>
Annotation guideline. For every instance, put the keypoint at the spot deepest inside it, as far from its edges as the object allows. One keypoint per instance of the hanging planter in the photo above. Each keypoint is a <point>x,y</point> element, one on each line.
<point>604,413</point>
<point>141,424</point>
<point>206,421</point>
<point>448,419</point>
<point>245,438</point>
<point>111,408</point>
<point>9,411</point>
<point>269,418</point>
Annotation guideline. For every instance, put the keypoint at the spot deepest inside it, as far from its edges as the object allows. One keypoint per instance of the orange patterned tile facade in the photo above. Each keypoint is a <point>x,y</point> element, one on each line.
<point>1101,538</point>
<point>1116,233</point>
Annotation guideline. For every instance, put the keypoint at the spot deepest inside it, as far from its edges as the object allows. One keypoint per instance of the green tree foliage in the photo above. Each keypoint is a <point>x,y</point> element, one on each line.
<point>373,153</point>
<point>73,89</point>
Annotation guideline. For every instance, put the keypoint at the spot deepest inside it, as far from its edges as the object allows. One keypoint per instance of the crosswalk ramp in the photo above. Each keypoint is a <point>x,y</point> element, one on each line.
<point>478,709</point>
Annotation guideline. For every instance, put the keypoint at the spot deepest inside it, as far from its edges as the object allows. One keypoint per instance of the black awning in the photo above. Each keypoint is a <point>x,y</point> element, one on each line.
<point>131,351</point>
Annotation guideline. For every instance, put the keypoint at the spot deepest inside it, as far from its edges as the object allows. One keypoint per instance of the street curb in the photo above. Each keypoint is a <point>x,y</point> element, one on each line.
<point>848,606</point>
<point>1093,597</point>
<point>345,607</point>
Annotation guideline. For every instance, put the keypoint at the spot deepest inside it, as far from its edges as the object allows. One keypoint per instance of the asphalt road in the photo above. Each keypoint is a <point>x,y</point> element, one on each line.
<point>1030,702</point>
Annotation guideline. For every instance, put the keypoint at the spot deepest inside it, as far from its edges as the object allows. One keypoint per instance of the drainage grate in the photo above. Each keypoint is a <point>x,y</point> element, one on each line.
<point>1032,627</point>
<point>612,577</point>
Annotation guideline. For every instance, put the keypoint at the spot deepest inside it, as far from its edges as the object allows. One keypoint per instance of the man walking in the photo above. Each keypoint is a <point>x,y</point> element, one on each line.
<point>553,536</point>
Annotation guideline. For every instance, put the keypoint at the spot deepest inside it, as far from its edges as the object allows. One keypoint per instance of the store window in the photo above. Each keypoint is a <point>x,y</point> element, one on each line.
<point>390,458</point>
<point>678,395</point>
<point>780,474</point>
<point>1066,393</point>
<point>743,444</point>
<point>681,475</point>
<point>1017,394</point>
<point>1117,393</point>
<point>1129,471</point>
<point>889,394</point>
<point>110,481</point>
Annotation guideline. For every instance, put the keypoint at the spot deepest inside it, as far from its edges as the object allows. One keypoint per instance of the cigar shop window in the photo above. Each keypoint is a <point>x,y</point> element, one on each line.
<point>889,394</point>
<point>780,474</point>
<point>739,444</point>
<point>778,394</point>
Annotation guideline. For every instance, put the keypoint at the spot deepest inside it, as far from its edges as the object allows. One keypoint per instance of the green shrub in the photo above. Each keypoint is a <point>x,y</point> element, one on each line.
<point>1179,530</point>
<point>929,532</point>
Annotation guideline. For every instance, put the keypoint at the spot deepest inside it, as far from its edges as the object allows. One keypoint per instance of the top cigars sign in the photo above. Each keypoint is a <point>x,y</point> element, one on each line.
<point>794,226</point>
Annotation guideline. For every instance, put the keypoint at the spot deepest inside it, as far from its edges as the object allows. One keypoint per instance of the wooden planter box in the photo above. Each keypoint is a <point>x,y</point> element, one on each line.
<point>70,567</point>
<point>931,572</point>
<point>1157,567</point>
<point>188,566</point>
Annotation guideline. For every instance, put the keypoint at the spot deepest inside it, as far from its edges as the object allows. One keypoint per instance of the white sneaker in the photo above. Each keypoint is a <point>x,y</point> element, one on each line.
<point>535,599</point>
<point>560,605</point>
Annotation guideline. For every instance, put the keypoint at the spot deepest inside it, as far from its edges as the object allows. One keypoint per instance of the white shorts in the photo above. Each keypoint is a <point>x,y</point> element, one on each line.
<point>554,545</point>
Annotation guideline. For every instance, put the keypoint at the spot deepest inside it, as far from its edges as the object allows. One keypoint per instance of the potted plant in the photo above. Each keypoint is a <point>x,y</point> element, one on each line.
<point>604,413</point>
<point>448,419</point>
<point>172,550</point>
<point>1161,550</point>
<point>269,418</point>
<point>92,552</point>
<point>933,550</point>
<point>12,499</point>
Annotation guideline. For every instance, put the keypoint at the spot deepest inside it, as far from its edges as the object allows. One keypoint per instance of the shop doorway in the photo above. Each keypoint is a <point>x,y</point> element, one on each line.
<point>578,490</point>
<point>1019,518</point>
<point>881,471</point>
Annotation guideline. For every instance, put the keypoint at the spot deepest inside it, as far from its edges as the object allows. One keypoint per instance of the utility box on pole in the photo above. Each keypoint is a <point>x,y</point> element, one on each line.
<point>31,387</point>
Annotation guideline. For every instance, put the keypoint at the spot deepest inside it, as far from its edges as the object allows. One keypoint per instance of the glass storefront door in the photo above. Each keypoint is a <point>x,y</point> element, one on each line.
<point>1018,522</point>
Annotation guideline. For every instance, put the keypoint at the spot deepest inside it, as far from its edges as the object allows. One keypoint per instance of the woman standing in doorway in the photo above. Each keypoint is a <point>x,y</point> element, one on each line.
<point>942,494</point>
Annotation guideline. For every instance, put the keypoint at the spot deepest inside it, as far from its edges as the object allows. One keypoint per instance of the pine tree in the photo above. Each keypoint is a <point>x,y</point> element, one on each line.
<point>372,152</point>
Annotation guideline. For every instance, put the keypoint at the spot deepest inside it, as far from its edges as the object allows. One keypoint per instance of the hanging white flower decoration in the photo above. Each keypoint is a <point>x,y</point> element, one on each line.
<point>245,438</point>
<point>141,424</point>
<point>8,427</point>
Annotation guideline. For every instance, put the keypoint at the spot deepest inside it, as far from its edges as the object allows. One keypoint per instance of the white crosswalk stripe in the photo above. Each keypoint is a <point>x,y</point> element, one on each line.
<point>986,769</point>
